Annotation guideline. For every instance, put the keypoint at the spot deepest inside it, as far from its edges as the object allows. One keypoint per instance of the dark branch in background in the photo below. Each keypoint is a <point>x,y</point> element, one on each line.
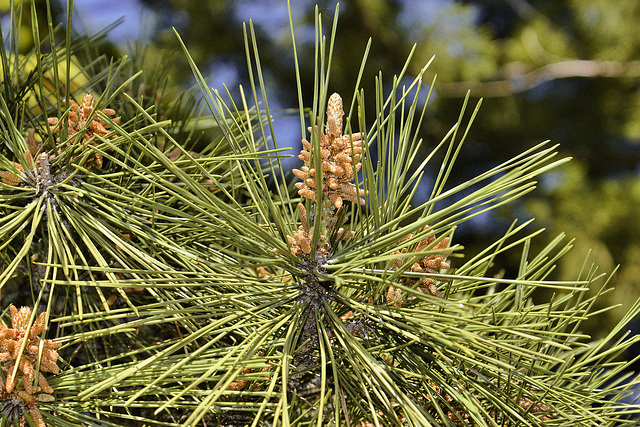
<point>518,80</point>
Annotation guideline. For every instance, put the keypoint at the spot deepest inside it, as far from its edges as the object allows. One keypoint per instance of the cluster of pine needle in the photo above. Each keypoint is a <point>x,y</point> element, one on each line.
<point>171,272</point>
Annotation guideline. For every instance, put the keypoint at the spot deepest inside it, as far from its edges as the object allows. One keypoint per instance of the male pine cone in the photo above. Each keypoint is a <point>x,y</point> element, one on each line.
<point>340,161</point>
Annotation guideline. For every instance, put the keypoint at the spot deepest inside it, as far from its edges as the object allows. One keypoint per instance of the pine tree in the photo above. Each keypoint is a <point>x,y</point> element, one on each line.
<point>172,272</point>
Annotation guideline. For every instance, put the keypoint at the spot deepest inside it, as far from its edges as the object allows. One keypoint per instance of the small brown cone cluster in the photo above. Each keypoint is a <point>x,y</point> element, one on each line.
<point>10,177</point>
<point>301,240</point>
<point>428,264</point>
<point>544,411</point>
<point>83,118</point>
<point>340,161</point>
<point>452,409</point>
<point>23,393</point>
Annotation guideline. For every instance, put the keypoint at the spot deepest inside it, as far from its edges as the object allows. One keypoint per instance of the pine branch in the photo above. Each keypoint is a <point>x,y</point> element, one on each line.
<point>187,280</point>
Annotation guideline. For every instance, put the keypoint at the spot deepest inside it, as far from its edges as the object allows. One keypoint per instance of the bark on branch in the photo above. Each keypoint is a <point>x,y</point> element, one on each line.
<point>518,80</point>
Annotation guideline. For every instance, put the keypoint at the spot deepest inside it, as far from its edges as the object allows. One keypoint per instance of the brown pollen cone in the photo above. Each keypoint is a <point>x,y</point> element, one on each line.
<point>341,156</point>
<point>82,117</point>
<point>428,264</point>
<point>24,393</point>
<point>11,340</point>
<point>301,240</point>
<point>11,178</point>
